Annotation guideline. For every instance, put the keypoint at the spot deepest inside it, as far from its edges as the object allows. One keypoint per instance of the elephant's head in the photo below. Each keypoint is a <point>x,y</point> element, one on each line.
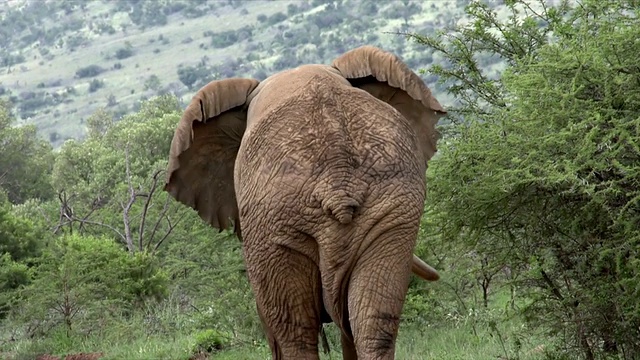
<point>205,145</point>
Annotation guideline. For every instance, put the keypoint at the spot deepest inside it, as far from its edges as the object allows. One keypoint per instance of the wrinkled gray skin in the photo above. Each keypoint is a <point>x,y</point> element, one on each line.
<point>326,154</point>
<point>329,183</point>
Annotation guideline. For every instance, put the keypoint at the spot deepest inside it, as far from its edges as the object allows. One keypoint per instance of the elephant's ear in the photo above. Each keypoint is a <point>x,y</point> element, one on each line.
<point>204,149</point>
<point>386,77</point>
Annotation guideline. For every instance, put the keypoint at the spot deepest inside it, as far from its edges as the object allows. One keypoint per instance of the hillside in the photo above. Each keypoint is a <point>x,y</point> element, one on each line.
<point>61,61</point>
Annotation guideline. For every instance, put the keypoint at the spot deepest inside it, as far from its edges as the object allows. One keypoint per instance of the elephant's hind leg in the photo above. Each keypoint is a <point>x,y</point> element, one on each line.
<point>377,287</point>
<point>287,291</point>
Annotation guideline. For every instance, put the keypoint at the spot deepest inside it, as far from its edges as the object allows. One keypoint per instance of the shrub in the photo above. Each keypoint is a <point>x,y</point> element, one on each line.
<point>123,53</point>
<point>209,341</point>
<point>541,173</point>
<point>82,278</point>
<point>276,18</point>
<point>89,71</point>
<point>228,38</point>
<point>95,84</point>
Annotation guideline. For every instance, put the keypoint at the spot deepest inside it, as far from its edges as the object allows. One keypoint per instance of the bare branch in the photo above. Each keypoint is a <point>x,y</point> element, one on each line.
<point>163,213</point>
<point>171,227</point>
<point>59,226</point>
<point>65,212</point>
<point>121,235</point>
<point>93,208</point>
<point>147,203</point>
<point>126,208</point>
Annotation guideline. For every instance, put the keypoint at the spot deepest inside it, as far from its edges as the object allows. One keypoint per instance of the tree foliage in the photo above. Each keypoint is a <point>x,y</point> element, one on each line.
<point>105,248</point>
<point>541,174</point>
<point>82,278</point>
<point>26,160</point>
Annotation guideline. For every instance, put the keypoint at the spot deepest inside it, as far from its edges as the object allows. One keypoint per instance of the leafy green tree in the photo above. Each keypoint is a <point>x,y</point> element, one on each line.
<point>111,183</point>
<point>124,52</point>
<point>99,122</point>
<point>152,83</point>
<point>191,76</point>
<point>95,85</point>
<point>89,71</point>
<point>25,164</point>
<point>13,276</point>
<point>18,236</point>
<point>540,172</point>
<point>20,243</point>
<point>209,270</point>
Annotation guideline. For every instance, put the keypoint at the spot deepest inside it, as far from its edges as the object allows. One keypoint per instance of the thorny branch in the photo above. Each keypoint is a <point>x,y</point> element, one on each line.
<point>132,199</point>
<point>165,208</point>
<point>145,208</point>
<point>168,232</point>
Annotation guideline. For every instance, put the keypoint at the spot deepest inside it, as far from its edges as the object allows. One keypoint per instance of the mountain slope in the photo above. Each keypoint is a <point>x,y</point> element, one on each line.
<point>62,61</point>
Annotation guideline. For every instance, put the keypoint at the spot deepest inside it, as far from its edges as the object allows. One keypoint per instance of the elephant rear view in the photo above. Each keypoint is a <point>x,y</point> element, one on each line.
<point>322,171</point>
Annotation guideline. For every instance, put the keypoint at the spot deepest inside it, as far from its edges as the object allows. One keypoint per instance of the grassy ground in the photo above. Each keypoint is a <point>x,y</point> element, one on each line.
<point>167,331</point>
<point>449,341</point>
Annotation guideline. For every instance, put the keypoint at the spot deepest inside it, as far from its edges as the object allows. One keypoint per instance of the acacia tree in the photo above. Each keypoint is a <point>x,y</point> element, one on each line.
<point>541,169</point>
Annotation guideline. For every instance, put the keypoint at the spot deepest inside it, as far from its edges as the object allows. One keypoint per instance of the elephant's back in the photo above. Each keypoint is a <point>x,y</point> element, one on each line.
<point>330,133</point>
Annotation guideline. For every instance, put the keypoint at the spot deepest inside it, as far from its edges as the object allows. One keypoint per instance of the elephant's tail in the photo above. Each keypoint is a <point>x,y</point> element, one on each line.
<point>341,205</point>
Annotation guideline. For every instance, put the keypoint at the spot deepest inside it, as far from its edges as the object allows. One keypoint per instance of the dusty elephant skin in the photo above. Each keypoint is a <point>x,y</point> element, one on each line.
<point>321,170</point>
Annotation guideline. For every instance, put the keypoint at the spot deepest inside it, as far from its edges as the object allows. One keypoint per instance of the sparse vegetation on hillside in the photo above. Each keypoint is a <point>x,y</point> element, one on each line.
<point>125,42</point>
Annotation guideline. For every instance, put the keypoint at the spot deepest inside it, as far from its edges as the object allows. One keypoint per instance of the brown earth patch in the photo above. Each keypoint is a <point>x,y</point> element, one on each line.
<point>80,356</point>
<point>47,357</point>
<point>200,356</point>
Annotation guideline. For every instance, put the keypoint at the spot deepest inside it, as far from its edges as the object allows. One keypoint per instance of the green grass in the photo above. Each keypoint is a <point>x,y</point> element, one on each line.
<point>166,332</point>
<point>451,341</point>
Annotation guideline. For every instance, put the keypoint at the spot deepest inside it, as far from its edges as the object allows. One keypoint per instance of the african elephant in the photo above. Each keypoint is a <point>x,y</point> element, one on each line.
<point>321,170</point>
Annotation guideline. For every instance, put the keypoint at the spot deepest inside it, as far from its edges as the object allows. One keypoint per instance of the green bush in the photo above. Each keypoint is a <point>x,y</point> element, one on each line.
<point>227,38</point>
<point>542,173</point>
<point>80,279</point>
<point>20,239</point>
<point>95,85</point>
<point>13,276</point>
<point>210,341</point>
<point>89,71</point>
<point>124,53</point>
<point>276,18</point>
